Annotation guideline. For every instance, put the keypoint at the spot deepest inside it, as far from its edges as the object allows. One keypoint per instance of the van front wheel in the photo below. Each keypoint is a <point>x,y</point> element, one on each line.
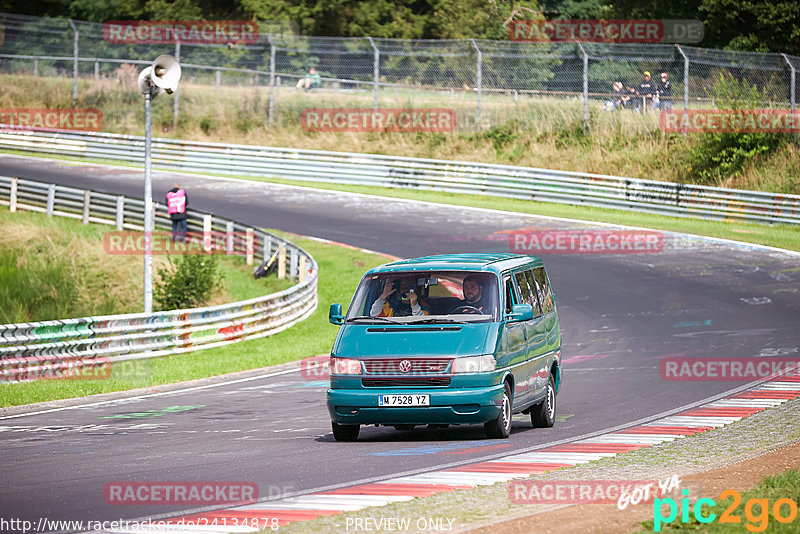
<point>501,427</point>
<point>345,432</point>
<point>543,414</point>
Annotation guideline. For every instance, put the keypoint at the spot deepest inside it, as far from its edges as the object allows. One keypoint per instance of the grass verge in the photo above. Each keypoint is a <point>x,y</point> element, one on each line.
<point>340,270</point>
<point>56,268</point>
<point>530,130</point>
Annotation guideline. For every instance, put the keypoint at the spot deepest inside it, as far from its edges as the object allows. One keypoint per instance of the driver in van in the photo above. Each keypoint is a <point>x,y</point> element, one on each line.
<point>474,299</point>
<point>399,299</point>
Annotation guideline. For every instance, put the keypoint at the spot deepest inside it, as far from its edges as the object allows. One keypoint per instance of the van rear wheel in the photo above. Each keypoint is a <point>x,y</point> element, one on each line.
<point>501,427</point>
<point>345,432</point>
<point>543,414</point>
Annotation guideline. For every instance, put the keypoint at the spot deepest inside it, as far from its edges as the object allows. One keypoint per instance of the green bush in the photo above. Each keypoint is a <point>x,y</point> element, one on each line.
<point>720,155</point>
<point>187,282</point>
<point>209,125</point>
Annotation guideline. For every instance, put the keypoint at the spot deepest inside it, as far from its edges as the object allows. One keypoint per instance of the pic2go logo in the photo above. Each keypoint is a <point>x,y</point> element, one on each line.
<point>757,522</point>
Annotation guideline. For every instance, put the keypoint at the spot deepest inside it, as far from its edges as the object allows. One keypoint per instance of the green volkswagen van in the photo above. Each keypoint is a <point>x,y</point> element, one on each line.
<point>448,339</point>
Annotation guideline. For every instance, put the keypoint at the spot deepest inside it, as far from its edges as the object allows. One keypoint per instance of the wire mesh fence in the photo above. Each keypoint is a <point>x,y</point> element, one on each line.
<point>485,82</point>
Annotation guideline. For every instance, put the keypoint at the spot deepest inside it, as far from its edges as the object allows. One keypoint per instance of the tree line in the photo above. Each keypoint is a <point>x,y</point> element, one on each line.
<point>759,26</point>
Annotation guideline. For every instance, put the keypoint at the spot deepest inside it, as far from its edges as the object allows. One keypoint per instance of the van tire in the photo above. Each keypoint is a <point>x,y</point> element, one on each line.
<point>501,427</point>
<point>345,432</point>
<point>543,415</point>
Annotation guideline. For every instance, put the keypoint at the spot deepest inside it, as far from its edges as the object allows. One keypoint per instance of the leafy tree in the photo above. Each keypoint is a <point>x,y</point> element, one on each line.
<point>478,19</point>
<point>578,9</point>
<point>757,26</point>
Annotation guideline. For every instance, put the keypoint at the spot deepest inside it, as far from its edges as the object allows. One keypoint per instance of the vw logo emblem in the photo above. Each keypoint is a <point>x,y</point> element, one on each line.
<point>405,366</point>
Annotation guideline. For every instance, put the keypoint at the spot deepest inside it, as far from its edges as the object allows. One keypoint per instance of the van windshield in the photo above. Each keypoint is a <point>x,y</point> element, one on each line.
<point>426,297</point>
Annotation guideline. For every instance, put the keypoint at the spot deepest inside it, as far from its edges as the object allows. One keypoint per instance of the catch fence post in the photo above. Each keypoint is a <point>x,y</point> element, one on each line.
<point>479,81</point>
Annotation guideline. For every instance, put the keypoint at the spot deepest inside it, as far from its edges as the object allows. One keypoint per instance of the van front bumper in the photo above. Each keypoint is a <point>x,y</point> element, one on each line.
<point>448,406</point>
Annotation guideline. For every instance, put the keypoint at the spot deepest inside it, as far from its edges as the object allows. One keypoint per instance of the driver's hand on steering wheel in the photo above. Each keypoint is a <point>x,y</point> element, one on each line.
<point>466,308</point>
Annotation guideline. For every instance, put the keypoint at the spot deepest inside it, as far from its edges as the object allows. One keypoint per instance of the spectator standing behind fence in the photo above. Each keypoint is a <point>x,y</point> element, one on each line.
<point>629,100</point>
<point>665,92</point>
<point>176,208</point>
<point>647,89</point>
<point>616,97</point>
<point>311,80</point>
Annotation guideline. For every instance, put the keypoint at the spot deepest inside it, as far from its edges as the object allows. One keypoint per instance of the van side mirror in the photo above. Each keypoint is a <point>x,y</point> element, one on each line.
<point>335,314</point>
<point>520,312</point>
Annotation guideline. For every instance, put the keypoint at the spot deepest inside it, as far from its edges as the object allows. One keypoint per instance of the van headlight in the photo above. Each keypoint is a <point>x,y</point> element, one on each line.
<point>474,364</point>
<point>345,366</point>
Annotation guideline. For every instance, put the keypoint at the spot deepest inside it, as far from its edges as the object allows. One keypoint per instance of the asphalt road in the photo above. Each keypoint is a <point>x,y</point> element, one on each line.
<point>620,315</point>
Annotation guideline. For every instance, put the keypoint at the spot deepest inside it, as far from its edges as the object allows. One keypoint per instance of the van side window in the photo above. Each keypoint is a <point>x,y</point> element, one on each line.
<point>543,290</point>
<point>526,287</point>
<point>537,309</point>
<point>509,293</point>
<point>523,291</point>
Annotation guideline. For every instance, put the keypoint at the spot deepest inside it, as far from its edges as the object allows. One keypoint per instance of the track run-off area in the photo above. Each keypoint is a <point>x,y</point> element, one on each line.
<point>621,314</point>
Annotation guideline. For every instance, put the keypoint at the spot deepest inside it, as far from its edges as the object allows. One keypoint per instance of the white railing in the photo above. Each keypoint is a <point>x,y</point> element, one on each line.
<point>58,348</point>
<point>527,183</point>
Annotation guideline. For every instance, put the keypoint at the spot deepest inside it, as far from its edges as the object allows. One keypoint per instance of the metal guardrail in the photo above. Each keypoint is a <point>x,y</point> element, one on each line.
<point>543,185</point>
<point>52,349</point>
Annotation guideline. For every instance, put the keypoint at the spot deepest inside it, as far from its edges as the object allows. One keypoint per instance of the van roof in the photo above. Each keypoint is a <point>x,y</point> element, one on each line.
<point>474,261</point>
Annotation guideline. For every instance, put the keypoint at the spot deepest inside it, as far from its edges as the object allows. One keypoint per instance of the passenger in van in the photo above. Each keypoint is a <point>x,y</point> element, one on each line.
<point>474,299</point>
<point>399,299</point>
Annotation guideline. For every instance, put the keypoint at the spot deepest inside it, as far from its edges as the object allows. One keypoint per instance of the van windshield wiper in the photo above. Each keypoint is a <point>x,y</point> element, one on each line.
<point>367,317</point>
<point>432,320</point>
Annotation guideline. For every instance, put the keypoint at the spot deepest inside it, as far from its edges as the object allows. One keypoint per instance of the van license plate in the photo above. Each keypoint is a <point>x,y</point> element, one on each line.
<point>404,400</point>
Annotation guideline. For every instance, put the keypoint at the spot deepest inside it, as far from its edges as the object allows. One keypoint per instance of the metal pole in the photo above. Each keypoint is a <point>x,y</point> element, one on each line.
<point>175,102</point>
<point>585,88</point>
<point>376,71</point>
<point>74,64</point>
<point>148,209</point>
<point>271,77</point>
<point>685,79</point>
<point>792,86</point>
<point>480,81</point>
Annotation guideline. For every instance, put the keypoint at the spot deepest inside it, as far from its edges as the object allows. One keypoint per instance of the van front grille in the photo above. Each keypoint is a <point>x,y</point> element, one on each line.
<point>414,382</point>
<point>407,366</point>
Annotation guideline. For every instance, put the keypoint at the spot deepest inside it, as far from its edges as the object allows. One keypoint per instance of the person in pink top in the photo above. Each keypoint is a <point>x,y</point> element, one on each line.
<point>176,208</point>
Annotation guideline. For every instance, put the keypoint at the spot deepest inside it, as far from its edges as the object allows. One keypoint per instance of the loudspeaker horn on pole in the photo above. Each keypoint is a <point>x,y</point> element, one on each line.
<point>144,81</point>
<point>165,73</point>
